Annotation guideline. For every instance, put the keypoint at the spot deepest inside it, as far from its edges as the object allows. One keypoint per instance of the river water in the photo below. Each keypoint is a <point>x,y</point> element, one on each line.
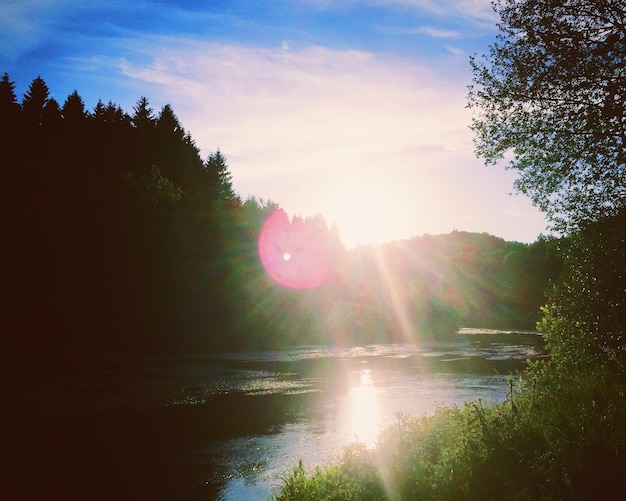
<point>229,426</point>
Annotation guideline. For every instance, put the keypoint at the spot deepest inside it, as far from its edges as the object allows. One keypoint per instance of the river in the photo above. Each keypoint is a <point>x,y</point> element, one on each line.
<point>229,426</point>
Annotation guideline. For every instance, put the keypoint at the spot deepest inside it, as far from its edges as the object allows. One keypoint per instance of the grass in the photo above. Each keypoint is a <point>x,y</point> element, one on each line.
<point>557,436</point>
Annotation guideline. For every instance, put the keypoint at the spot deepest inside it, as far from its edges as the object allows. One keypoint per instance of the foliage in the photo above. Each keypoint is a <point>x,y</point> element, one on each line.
<point>528,447</point>
<point>550,92</point>
<point>354,480</point>
<point>584,320</point>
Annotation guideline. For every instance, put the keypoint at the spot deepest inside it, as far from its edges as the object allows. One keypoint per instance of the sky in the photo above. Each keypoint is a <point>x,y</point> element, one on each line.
<point>355,109</point>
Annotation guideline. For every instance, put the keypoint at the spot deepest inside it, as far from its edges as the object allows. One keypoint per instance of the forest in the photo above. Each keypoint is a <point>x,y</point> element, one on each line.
<point>121,240</point>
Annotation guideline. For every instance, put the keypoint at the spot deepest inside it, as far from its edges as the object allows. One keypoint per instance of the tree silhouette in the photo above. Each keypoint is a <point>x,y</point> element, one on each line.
<point>143,116</point>
<point>9,112</point>
<point>73,110</point>
<point>34,102</point>
<point>168,127</point>
<point>51,115</point>
<point>8,100</point>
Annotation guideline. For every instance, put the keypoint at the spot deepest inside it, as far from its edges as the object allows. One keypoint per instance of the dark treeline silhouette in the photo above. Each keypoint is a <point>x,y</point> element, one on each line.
<point>120,239</point>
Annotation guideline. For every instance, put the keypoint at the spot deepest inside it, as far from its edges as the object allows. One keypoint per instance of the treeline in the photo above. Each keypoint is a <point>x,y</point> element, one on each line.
<point>442,282</point>
<point>120,238</point>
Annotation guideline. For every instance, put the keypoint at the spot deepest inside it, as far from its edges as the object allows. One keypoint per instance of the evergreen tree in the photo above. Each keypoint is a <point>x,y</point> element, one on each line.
<point>73,110</point>
<point>219,178</point>
<point>51,115</point>
<point>98,111</point>
<point>8,101</point>
<point>111,114</point>
<point>168,127</point>
<point>34,102</point>
<point>143,117</point>
<point>9,112</point>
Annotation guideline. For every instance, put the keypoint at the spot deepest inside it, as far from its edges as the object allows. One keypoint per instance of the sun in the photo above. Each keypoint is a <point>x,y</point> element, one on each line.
<point>365,216</point>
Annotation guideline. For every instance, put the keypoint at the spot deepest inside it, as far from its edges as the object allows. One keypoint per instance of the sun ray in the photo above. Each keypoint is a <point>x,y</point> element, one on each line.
<point>402,317</point>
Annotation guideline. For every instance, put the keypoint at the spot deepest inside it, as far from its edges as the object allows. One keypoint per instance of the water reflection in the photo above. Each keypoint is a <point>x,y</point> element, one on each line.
<point>365,415</point>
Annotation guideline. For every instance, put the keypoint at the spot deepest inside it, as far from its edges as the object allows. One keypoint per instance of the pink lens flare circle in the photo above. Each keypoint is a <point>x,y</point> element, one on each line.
<point>295,255</point>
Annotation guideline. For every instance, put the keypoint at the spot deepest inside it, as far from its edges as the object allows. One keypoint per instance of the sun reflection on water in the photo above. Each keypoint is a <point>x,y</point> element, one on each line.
<point>365,417</point>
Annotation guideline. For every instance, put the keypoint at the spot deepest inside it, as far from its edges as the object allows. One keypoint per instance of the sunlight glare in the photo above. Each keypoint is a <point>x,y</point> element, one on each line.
<point>399,308</point>
<point>365,417</point>
<point>364,214</point>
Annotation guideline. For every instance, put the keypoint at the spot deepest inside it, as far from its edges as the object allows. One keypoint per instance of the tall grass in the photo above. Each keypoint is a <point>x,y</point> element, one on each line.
<point>557,436</point>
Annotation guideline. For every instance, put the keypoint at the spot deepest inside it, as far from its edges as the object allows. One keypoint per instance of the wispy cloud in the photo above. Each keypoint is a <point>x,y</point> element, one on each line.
<point>477,9</point>
<point>421,30</point>
<point>24,22</point>
<point>456,51</point>
<point>306,100</point>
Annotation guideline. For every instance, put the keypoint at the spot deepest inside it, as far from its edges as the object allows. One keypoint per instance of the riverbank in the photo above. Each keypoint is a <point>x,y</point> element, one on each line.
<point>554,437</point>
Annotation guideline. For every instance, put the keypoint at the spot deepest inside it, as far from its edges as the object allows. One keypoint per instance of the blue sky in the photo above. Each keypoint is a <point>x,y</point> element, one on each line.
<point>355,109</point>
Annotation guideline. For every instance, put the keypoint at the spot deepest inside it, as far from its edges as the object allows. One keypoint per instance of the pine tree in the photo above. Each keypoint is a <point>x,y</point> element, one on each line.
<point>51,115</point>
<point>219,178</point>
<point>99,111</point>
<point>34,102</point>
<point>9,109</point>
<point>73,110</point>
<point>143,117</point>
<point>8,100</point>
<point>168,127</point>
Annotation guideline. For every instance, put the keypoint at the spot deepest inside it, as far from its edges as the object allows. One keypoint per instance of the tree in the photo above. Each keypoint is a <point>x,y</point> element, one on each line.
<point>155,189</point>
<point>585,322</point>
<point>73,110</point>
<point>9,110</point>
<point>111,114</point>
<point>143,116</point>
<point>168,127</point>
<point>34,101</point>
<point>8,100</point>
<point>219,178</point>
<point>51,114</point>
<point>551,93</point>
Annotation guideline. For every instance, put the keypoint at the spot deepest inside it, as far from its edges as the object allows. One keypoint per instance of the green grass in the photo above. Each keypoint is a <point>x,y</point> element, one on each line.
<point>557,436</point>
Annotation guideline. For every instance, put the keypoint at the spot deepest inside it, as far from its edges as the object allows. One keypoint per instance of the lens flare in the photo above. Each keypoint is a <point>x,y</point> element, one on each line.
<point>295,254</point>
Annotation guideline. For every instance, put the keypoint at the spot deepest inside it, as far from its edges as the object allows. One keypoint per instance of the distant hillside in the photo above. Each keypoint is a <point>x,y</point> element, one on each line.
<point>439,283</point>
